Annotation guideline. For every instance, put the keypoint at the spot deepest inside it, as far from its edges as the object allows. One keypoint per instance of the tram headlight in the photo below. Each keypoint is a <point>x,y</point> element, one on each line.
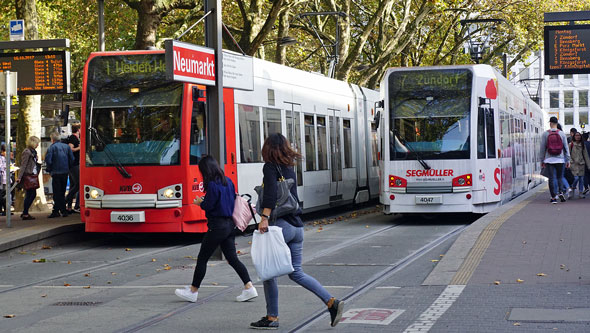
<point>398,182</point>
<point>168,193</point>
<point>94,194</point>
<point>461,181</point>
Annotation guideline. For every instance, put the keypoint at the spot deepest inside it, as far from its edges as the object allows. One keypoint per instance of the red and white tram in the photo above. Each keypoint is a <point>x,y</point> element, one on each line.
<point>460,138</point>
<point>144,136</point>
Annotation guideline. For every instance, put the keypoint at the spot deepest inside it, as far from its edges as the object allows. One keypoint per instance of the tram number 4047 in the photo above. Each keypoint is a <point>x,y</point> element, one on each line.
<point>429,200</point>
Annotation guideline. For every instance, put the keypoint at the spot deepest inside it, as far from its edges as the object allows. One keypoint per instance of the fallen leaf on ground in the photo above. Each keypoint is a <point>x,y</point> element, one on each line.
<point>109,282</point>
<point>524,242</point>
<point>434,260</point>
<point>66,284</point>
<point>9,316</point>
<point>87,274</point>
<point>138,275</point>
<point>167,268</point>
<point>541,274</point>
<point>441,255</point>
<point>39,260</point>
<point>113,273</point>
<point>239,252</point>
<point>496,282</point>
<point>153,260</point>
<point>366,226</point>
<point>87,287</point>
<point>44,295</point>
<point>214,283</point>
<point>46,247</point>
<point>516,324</point>
<point>127,249</point>
<point>69,262</point>
<point>519,280</point>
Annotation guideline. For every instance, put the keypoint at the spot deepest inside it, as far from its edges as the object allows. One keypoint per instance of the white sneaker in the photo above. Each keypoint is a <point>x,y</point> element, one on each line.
<point>187,294</point>
<point>247,294</point>
<point>570,193</point>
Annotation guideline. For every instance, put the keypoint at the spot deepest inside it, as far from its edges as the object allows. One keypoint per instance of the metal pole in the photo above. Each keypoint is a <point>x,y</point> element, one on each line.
<point>101,25</point>
<point>216,128</point>
<point>7,141</point>
<point>505,65</point>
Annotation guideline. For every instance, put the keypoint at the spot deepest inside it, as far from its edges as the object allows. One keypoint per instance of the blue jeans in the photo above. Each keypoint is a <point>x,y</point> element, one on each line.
<point>555,178</point>
<point>294,239</point>
<point>580,181</point>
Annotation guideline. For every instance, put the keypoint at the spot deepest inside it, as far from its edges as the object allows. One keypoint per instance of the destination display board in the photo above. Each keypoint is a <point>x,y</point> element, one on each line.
<point>567,49</point>
<point>39,72</point>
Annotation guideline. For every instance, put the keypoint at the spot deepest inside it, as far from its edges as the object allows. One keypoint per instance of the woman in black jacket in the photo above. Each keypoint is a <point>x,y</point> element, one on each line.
<point>280,159</point>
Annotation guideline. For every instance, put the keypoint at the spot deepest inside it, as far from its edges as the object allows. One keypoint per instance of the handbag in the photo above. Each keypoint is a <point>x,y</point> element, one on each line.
<point>243,211</point>
<point>270,254</point>
<point>30,182</point>
<point>545,172</point>
<point>286,202</point>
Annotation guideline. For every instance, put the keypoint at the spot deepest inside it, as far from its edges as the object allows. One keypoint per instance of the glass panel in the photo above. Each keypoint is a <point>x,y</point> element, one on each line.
<point>481,136</point>
<point>294,136</point>
<point>583,117</point>
<point>309,143</point>
<point>250,144</point>
<point>583,98</point>
<point>429,114</point>
<point>374,144</point>
<point>322,144</point>
<point>568,76</point>
<point>554,99</point>
<point>198,134</point>
<point>271,121</point>
<point>490,131</point>
<point>568,99</point>
<point>347,143</point>
<point>553,77</point>
<point>568,118</point>
<point>335,149</point>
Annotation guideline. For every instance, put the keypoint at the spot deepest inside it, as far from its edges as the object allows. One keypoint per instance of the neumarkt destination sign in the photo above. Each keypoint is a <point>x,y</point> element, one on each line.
<point>39,72</point>
<point>567,49</point>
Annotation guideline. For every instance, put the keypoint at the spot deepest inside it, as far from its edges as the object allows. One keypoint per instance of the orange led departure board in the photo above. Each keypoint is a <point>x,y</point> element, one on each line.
<point>567,49</point>
<point>39,72</point>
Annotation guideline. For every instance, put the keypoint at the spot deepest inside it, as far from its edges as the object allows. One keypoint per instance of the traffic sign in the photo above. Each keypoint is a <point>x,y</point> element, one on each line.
<point>17,29</point>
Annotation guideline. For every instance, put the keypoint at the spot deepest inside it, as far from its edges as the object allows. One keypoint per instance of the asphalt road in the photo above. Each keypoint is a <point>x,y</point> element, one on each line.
<point>115,283</point>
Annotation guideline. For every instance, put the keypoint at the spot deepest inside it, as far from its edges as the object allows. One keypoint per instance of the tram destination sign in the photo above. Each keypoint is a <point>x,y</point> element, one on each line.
<point>39,72</point>
<point>567,49</point>
<point>189,63</point>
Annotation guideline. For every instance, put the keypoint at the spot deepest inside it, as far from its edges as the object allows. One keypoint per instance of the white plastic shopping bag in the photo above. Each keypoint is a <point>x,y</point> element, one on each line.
<point>270,254</point>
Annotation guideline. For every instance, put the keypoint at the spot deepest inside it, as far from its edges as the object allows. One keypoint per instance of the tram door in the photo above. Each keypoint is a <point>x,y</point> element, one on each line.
<point>293,122</point>
<point>335,155</point>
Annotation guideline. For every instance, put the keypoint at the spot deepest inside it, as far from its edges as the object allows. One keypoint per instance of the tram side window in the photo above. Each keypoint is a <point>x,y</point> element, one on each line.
<point>309,143</point>
<point>374,144</point>
<point>481,140</point>
<point>250,144</point>
<point>294,136</point>
<point>198,134</point>
<point>490,129</point>
<point>322,144</point>
<point>347,143</point>
<point>271,121</point>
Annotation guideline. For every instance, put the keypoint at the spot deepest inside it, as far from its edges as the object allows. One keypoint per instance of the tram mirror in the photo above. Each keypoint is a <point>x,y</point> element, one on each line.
<point>197,93</point>
<point>377,119</point>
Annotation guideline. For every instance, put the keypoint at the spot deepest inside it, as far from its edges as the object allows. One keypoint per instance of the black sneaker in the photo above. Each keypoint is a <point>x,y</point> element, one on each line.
<point>553,201</point>
<point>54,214</point>
<point>265,324</point>
<point>336,312</point>
<point>561,197</point>
<point>586,190</point>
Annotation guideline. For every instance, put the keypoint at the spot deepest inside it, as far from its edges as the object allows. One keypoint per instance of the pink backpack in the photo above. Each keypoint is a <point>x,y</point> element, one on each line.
<point>243,211</point>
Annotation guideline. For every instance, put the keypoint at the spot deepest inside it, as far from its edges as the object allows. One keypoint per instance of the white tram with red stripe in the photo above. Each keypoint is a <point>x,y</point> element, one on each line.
<point>455,139</point>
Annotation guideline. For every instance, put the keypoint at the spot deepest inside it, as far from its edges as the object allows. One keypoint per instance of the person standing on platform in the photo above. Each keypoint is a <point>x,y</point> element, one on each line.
<point>555,152</point>
<point>74,143</point>
<point>580,163</point>
<point>585,137</point>
<point>29,166</point>
<point>3,209</point>
<point>58,161</point>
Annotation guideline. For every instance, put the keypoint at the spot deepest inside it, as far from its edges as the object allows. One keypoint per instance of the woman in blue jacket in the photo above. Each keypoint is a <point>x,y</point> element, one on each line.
<point>218,205</point>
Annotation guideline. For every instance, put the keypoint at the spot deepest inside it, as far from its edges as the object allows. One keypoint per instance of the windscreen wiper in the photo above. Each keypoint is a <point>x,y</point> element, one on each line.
<point>416,153</point>
<point>107,152</point>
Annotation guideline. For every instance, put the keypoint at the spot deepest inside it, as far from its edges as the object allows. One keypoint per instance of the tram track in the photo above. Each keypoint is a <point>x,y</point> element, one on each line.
<point>379,277</point>
<point>169,314</point>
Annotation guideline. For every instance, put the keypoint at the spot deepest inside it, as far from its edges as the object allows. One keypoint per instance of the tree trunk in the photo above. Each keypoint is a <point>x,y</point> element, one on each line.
<point>281,51</point>
<point>148,21</point>
<point>29,117</point>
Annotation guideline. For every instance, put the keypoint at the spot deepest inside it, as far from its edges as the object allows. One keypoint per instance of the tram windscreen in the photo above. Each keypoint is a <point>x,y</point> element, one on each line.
<point>132,112</point>
<point>429,114</point>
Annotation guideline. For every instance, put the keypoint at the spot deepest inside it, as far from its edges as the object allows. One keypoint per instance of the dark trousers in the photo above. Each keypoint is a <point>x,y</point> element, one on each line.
<point>221,233</point>
<point>555,178</point>
<point>29,198</point>
<point>74,187</point>
<point>59,183</point>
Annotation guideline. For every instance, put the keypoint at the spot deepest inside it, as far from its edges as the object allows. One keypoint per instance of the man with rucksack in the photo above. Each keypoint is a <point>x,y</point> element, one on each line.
<point>556,155</point>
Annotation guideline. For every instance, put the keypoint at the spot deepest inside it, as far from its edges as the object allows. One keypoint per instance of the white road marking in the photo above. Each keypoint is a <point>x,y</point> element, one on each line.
<point>386,287</point>
<point>429,317</point>
<point>298,286</point>
<point>124,287</point>
<point>6,285</point>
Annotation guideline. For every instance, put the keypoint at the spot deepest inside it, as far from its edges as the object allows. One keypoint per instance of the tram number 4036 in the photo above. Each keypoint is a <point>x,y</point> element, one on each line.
<point>428,200</point>
<point>127,217</point>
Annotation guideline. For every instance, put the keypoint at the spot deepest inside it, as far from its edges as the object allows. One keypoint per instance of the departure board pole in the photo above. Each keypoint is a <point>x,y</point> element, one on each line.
<point>8,90</point>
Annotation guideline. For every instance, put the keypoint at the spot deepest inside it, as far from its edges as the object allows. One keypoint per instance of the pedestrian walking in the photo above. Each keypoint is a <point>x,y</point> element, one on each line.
<point>280,157</point>
<point>555,152</point>
<point>58,162</point>
<point>585,137</point>
<point>29,165</point>
<point>579,163</point>
<point>74,174</point>
<point>566,176</point>
<point>218,204</point>
<point>3,169</point>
